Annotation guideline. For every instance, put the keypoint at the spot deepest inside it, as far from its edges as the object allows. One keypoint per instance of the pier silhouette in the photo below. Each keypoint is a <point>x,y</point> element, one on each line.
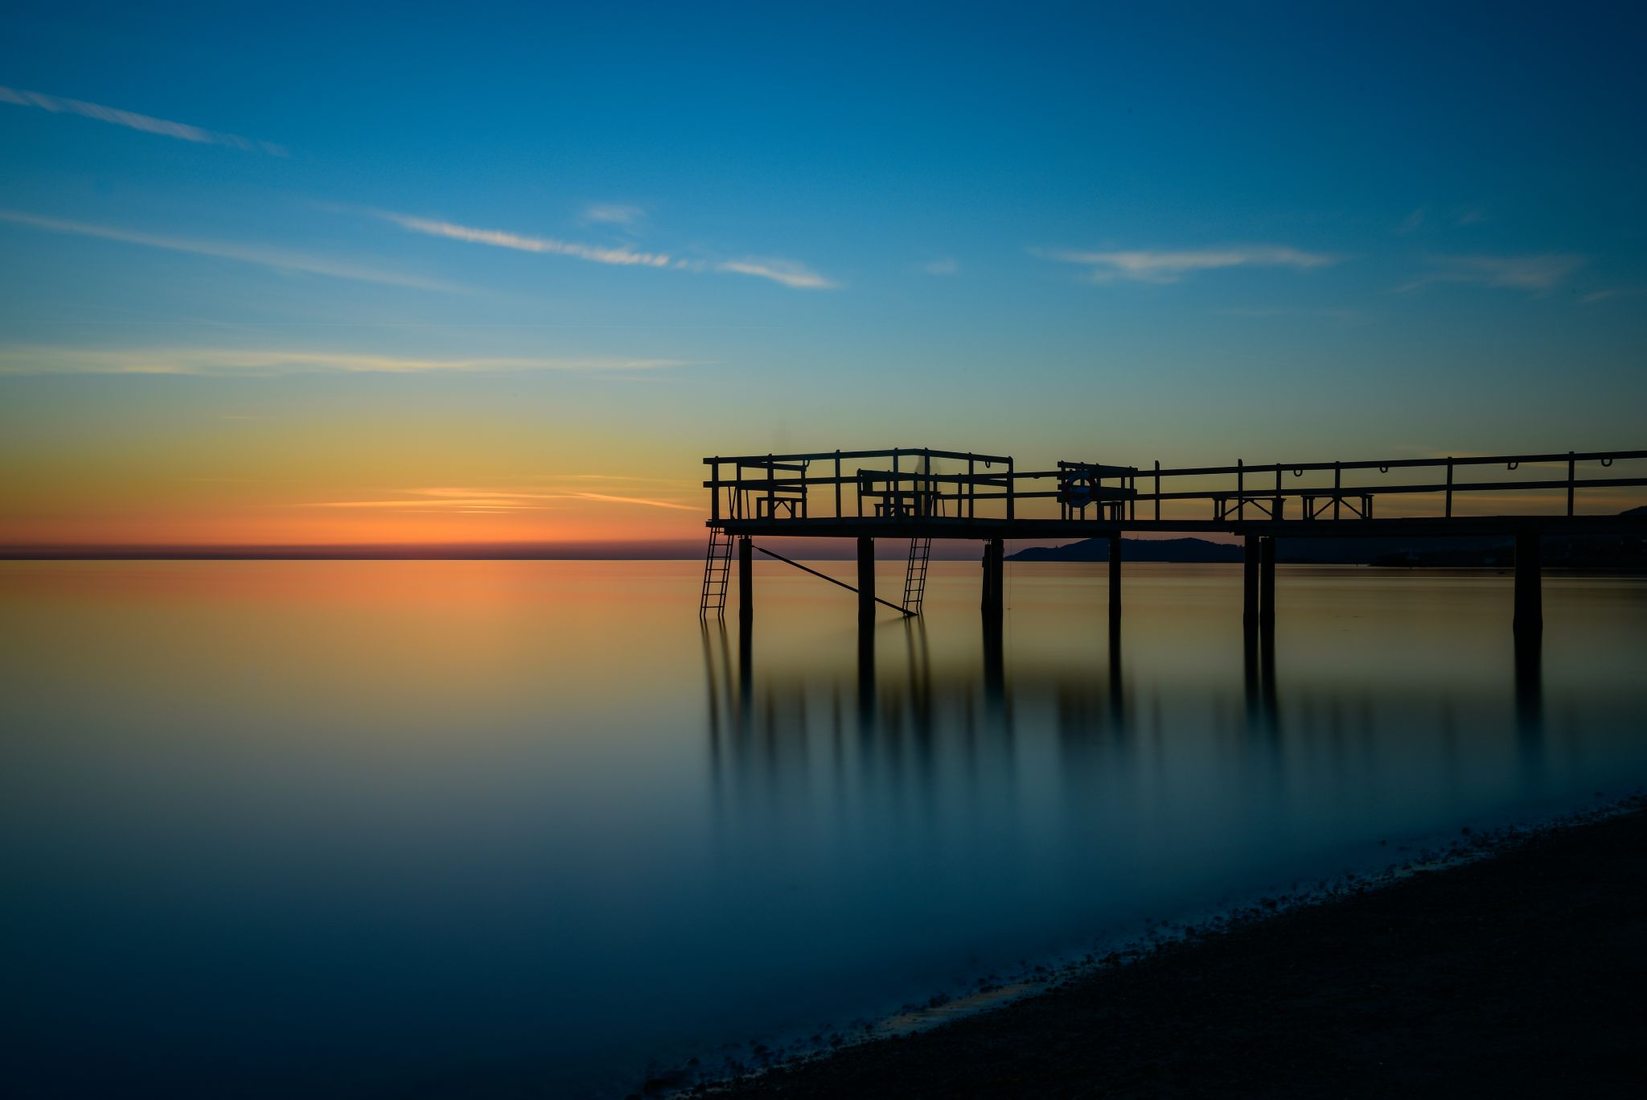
<point>922,494</point>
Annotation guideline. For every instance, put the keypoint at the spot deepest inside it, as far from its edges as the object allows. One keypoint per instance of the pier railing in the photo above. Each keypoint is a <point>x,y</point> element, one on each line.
<point>928,484</point>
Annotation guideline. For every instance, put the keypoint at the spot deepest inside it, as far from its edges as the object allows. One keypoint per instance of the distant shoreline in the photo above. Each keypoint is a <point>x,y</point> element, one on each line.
<point>1511,967</point>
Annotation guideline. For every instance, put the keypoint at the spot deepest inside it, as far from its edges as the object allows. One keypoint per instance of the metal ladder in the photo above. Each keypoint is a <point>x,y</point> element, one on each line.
<point>920,552</point>
<point>717,574</point>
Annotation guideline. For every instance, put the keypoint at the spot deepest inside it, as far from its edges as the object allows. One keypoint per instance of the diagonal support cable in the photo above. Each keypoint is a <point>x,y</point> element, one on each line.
<point>827,577</point>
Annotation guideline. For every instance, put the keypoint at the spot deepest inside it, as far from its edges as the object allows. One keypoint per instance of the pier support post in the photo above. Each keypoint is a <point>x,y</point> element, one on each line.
<point>746,582</point>
<point>1249,586</point>
<point>1115,584</point>
<point>1266,587</point>
<point>989,579</point>
<point>866,582</point>
<point>994,601</point>
<point>1529,600</point>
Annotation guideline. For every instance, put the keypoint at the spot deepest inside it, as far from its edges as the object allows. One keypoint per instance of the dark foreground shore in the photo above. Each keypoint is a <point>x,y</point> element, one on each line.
<point>1521,974</point>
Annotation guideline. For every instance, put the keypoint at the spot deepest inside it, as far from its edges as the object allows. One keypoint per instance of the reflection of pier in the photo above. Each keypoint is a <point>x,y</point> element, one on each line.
<point>915,735</point>
<point>926,494</point>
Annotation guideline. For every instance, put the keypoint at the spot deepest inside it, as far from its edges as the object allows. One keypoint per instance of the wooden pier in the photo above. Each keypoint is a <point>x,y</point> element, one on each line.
<point>921,494</point>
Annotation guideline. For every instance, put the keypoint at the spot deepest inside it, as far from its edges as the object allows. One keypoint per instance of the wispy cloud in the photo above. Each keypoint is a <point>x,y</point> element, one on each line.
<point>1413,222</point>
<point>1534,273</point>
<point>221,362</point>
<point>622,214</point>
<point>494,501</point>
<point>1169,266</point>
<point>1606,294</point>
<point>610,498</point>
<point>500,238</point>
<point>131,120</point>
<point>1265,312</point>
<point>263,256</point>
<point>944,265</point>
<point>790,273</point>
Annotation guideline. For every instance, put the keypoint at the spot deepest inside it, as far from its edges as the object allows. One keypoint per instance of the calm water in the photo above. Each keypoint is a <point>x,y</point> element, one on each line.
<point>477,828</point>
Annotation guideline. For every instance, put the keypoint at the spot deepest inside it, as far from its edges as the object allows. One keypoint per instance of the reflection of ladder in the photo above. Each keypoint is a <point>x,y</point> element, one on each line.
<point>717,572</point>
<point>920,552</point>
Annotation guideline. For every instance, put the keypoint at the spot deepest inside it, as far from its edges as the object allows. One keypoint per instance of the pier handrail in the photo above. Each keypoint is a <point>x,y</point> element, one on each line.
<point>902,482</point>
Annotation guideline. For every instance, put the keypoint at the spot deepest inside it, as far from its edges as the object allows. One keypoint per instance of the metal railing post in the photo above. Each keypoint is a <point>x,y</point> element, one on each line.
<point>1449,487</point>
<point>838,484</point>
<point>1240,489</point>
<point>1569,483</point>
<point>971,487</point>
<point>1158,490</point>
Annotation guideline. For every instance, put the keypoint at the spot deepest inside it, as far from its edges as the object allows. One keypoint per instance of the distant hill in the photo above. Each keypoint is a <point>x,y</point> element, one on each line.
<point>1181,550</point>
<point>1583,552</point>
<point>1322,551</point>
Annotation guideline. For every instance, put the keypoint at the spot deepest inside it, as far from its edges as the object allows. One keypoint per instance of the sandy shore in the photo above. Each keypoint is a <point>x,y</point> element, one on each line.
<point>1521,974</point>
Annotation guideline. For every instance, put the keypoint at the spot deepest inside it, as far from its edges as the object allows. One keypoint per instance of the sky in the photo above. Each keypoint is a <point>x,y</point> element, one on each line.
<point>305,274</point>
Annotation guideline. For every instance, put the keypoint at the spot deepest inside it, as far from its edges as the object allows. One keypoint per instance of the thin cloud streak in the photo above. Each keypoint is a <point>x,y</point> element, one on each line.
<point>614,213</point>
<point>1171,265</point>
<point>491,501</point>
<point>610,499</point>
<point>789,273</point>
<point>131,120</point>
<point>255,362</point>
<point>1534,274</point>
<point>785,272</point>
<point>499,238</point>
<point>278,259</point>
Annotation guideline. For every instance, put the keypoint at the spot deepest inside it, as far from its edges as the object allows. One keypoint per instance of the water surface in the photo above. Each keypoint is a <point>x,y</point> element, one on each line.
<point>491,827</point>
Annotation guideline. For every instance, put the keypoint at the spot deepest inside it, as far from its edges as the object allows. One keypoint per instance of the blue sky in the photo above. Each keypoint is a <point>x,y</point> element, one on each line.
<point>403,247</point>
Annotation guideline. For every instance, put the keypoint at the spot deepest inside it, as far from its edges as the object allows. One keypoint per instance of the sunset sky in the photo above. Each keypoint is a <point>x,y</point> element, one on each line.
<point>316,274</point>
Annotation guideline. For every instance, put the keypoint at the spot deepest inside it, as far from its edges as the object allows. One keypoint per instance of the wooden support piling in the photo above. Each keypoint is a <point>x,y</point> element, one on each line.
<point>866,581</point>
<point>1529,600</point>
<point>1249,586</point>
<point>1266,586</point>
<point>746,582</point>
<point>1115,583</point>
<point>993,603</point>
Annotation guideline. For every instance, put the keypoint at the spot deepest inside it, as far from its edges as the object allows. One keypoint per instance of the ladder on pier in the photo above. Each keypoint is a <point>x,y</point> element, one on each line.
<point>717,574</point>
<point>920,553</point>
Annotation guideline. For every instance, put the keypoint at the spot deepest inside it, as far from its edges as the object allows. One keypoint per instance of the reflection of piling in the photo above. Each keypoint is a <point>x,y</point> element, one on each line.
<point>1529,687</point>
<point>866,673</point>
<point>1117,695</point>
<point>994,662</point>
<point>746,668</point>
<point>1249,587</point>
<point>1266,676</point>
